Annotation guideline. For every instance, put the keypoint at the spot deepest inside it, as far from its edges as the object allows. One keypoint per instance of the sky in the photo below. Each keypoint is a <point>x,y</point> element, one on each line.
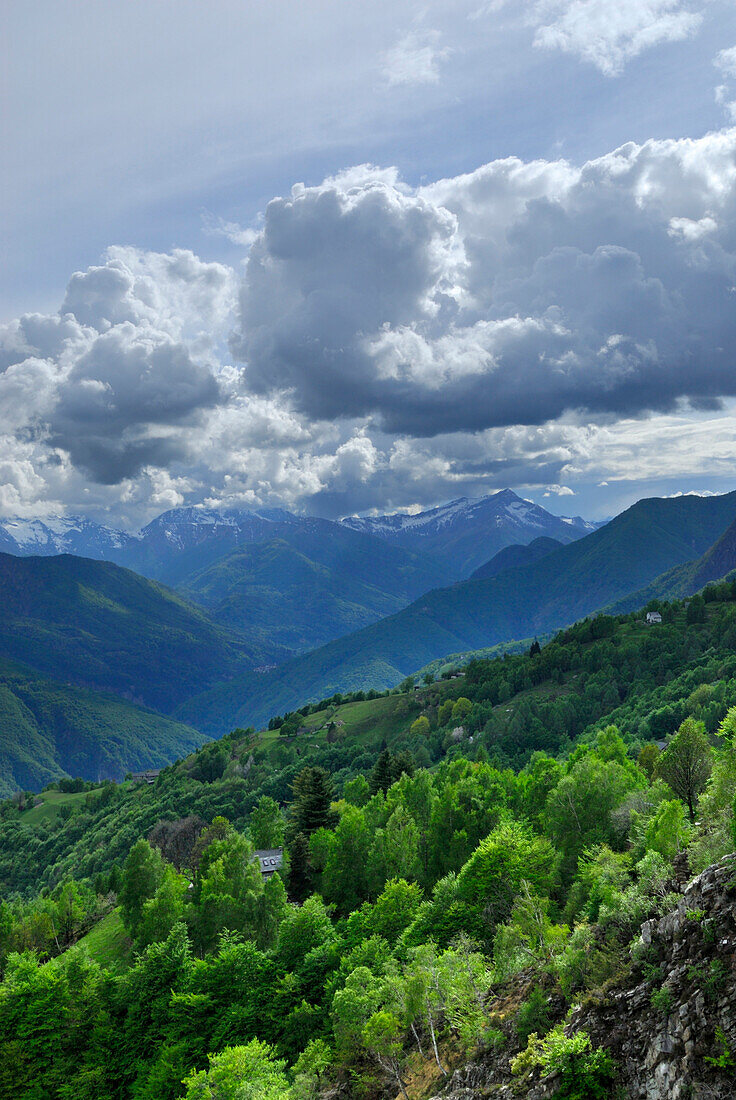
<point>367,256</point>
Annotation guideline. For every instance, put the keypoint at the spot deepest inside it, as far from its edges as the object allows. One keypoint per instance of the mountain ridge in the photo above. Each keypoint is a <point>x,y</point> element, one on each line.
<point>577,580</point>
<point>183,540</point>
<point>445,531</point>
<point>100,626</point>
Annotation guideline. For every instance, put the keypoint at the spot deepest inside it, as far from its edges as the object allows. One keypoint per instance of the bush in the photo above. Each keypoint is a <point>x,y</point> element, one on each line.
<point>586,1072</point>
<point>533,1016</point>
<point>662,1000</point>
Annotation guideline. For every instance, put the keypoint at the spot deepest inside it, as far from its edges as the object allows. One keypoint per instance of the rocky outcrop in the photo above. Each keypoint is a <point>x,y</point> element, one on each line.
<point>667,1020</point>
<point>662,1029</point>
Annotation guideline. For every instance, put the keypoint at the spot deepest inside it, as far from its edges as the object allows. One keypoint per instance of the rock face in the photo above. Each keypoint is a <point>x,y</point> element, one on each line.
<point>674,1008</point>
<point>661,1030</point>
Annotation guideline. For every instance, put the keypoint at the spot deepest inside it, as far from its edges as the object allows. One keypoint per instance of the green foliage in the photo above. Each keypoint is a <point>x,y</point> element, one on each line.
<point>143,873</point>
<point>533,1015</point>
<point>310,810</point>
<point>586,1072</point>
<point>492,878</point>
<point>266,824</point>
<point>461,709</point>
<point>667,831</point>
<point>578,811</point>
<point>662,1000</point>
<point>247,1072</point>
<point>724,1060</point>
<point>648,758</point>
<point>341,855</point>
<point>420,727</point>
<point>686,763</point>
<point>227,886</point>
<point>530,937</point>
<point>310,1069</point>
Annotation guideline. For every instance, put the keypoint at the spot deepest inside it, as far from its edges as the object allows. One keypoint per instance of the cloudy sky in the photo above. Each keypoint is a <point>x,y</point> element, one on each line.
<point>366,256</point>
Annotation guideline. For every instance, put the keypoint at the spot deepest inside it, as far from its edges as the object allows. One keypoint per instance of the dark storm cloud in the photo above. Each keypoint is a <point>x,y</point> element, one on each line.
<point>330,266</point>
<point>112,380</point>
<point>510,296</point>
<point>398,345</point>
<point>120,394</point>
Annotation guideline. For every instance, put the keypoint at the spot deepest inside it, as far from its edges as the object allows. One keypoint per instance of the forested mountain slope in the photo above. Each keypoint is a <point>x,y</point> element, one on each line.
<point>508,856</point>
<point>645,679</point>
<point>49,730</point>
<point>96,625</point>
<point>689,578</point>
<point>565,585</point>
<point>311,582</point>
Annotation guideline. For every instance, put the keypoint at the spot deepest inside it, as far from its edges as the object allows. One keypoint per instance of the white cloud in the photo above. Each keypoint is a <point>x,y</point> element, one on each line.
<point>534,323</point>
<point>725,94</point>
<point>415,59</point>
<point>725,60</point>
<point>509,295</point>
<point>609,34</point>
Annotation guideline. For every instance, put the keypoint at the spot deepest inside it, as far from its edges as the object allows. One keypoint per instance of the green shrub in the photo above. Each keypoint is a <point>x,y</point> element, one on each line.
<point>662,1000</point>
<point>586,1072</point>
<point>533,1015</point>
<point>725,1059</point>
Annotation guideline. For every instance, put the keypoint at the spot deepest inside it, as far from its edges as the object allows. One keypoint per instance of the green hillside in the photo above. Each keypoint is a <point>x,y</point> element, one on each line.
<point>516,556</point>
<point>645,679</point>
<point>49,730</point>
<point>302,591</point>
<point>96,625</point>
<point>565,585</point>
<point>687,579</point>
<point>464,863</point>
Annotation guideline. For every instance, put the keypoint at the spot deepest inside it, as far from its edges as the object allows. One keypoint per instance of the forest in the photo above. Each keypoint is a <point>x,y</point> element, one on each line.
<point>470,860</point>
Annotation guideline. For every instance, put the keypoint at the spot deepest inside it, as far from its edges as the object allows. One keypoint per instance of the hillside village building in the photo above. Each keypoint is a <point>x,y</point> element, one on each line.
<point>270,860</point>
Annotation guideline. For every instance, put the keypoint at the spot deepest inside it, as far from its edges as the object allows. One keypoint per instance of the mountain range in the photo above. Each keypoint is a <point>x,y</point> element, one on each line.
<point>541,596</point>
<point>103,668</point>
<point>466,533</point>
<point>293,583</point>
<point>461,535</point>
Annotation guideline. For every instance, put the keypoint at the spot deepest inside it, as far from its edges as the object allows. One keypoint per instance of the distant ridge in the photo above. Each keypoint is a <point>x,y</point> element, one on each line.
<point>687,579</point>
<point>513,557</point>
<point>96,625</point>
<point>466,532</point>
<point>569,583</point>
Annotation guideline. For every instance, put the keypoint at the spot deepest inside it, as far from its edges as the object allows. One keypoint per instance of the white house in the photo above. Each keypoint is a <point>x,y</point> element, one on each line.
<point>653,617</point>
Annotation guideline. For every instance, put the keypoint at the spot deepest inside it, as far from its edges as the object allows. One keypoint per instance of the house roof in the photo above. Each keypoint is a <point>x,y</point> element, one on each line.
<point>270,859</point>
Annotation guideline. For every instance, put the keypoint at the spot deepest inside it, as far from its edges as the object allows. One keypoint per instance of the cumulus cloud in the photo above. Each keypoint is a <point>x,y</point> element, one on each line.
<point>528,323</point>
<point>610,34</point>
<point>513,295</point>
<point>415,59</point>
<point>726,61</point>
<point>127,362</point>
